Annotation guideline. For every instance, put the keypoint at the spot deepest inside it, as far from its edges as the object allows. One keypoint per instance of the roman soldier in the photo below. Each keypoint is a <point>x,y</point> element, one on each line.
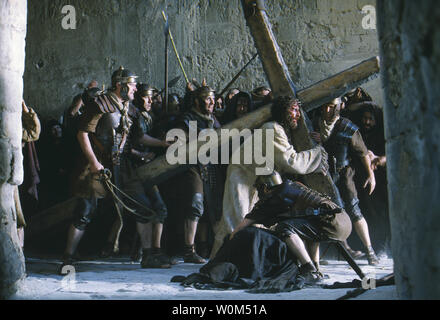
<point>199,183</point>
<point>343,142</point>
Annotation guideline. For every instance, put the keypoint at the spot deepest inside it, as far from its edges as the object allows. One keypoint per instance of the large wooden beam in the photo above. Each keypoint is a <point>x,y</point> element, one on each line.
<point>268,49</point>
<point>338,84</point>
<point>160,170</point>
<point>277,72</point>
<point>278,75</point>
<point>53,216</point>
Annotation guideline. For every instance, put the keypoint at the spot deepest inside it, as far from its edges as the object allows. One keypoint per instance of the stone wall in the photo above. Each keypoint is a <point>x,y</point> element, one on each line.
<point>409,35</point>
<point>12,44</point>
<point>317,37</point>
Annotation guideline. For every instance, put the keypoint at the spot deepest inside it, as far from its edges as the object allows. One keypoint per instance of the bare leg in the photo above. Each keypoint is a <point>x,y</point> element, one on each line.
<point>361,228</point>
<point>113,231</point>
<point>313,248</point>
<point>157,234</point>
<point>296,245</point>
<point>145,234</point>
<point>190,228</point>
<point>74,236</point>
<point>190,256</point>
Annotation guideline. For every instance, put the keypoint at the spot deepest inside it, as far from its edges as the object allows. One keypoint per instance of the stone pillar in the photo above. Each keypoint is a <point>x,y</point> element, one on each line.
<point>409,37</point>
<point>12,54</point>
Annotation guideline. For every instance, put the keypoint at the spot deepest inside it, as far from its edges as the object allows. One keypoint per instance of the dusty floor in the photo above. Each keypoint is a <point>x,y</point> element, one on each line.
<point>120,279</point>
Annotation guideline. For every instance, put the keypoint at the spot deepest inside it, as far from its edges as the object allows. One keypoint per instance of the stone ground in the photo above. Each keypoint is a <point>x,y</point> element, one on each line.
<point>121,279</point>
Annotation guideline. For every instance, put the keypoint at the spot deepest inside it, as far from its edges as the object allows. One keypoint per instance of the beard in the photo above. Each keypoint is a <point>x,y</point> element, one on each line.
<point>292,123</point>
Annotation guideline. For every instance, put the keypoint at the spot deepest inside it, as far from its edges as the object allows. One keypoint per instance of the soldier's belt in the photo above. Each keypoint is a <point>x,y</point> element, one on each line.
<point>311,212</point>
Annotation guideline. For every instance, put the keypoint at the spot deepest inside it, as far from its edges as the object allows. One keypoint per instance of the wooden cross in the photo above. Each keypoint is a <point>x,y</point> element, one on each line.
<point>278,75</point>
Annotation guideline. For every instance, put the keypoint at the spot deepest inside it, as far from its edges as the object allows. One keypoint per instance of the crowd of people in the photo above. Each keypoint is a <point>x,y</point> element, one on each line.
<point>105,136</point>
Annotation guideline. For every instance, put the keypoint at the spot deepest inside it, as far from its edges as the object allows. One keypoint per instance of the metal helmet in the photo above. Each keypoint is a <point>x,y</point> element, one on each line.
<point>270,180</point>
<point>123,76</point>
<point>144,90</point>
<point>338,104</point>
<point>203,92</point>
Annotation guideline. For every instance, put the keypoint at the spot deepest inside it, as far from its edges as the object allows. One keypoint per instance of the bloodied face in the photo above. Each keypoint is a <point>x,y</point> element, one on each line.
<point>293,114</point>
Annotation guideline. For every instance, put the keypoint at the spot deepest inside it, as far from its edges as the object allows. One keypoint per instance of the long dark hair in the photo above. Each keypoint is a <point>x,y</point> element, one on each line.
<point>280,105</point>
<point>230,113</point>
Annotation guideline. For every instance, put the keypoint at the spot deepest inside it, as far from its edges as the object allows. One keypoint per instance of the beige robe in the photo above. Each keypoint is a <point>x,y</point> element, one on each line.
<point>240,194</point>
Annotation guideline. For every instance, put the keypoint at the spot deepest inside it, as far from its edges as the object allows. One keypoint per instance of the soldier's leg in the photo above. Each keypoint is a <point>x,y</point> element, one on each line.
<point>145,232</point>
<point>190,229</point>
<point>296,245</point>
<point>157,234</point>
<point>193,210</point>
<point>84,212</point>
<point>109,249</point>
<point>74,236</point>
<point>161,210</point>
<point>149,233</point>
<point>313,250</point>
<point>362,231</point>
<point>158,205</point>
<point>294,232</point>
<point>350,197</point>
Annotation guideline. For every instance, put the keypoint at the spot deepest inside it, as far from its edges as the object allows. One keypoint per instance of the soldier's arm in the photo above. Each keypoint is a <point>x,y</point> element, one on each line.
<point>358,145</point>
<point>380,161</point>
<point>153,142</point>
<point>77,103</point>
<point>86,147</point>
<point>371,180</point>
<point>87,123</point>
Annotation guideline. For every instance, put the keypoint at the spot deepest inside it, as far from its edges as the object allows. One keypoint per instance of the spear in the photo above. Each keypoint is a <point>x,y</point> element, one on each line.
<point>174,47</point>
<point>237,75</point>
<point>167,30</point>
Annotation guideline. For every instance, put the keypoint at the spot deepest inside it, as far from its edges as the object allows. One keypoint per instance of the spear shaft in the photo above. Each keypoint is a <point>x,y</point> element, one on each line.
<point>237,75</point>
<point>175,49</point>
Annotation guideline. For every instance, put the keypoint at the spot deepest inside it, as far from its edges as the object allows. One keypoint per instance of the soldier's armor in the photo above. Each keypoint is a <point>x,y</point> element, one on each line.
<point>110,129</point>
<point>337,145</point>
<point>107,126</point>
<point>289,199</point>
<point>213,184</point>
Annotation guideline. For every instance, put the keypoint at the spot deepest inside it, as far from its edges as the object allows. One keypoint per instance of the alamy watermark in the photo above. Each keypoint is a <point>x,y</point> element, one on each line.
<point>248,147</point>
<point>69,20</point>
<point>369,282</point>
<point>69,280</point>
<point>369,20</point>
